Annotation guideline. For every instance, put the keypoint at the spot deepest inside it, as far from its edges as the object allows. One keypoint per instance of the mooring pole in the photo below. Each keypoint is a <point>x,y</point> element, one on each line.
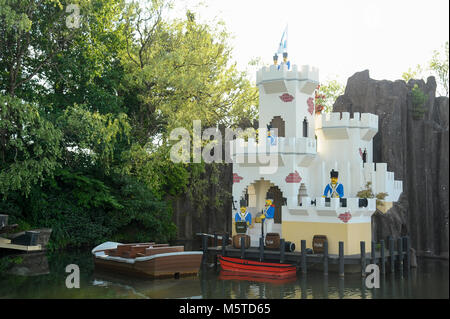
<point>325,257</point>
<point>224,244</point>
<point>400,254</point>
<point>391,253</point>
<point>303,256</point>
<point>363,258</point>
<point>408,252</point>
<point>216,243</point>
<point>215,240</point>
<point>261,249</point>
<point>341,259</point>
<point>242,247</point>
<point>383,259</point>
<point>205,248</point>
<point>372,253</point>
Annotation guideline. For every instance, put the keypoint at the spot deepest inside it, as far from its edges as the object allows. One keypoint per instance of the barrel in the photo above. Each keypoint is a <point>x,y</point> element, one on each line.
<point>289,246</point>
<point>237,241</point>
<point>272,241</point>
<point>241,227</point>
<point>318,241</point>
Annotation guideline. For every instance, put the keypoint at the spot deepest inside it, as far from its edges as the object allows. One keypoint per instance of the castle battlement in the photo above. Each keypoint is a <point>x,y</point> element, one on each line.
<point>316,207</point>
<point>274,73</point>
<point>288,145</point>
<point>335,125</point>
<point>343,120</point>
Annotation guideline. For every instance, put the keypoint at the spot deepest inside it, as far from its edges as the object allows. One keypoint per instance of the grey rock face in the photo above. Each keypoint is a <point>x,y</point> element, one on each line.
<point>416,150</point>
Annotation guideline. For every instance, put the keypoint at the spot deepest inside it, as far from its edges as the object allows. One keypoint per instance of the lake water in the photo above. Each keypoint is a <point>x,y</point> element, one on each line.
<point>43,276</point>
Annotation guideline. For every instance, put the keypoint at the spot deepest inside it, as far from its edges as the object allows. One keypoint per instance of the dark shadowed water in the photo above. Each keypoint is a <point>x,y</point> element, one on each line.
<point>43,276</point>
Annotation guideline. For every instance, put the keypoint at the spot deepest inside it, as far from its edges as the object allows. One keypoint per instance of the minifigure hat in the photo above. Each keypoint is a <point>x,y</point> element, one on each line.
<point>243,202</point>
<point>270,196</point>
<point>334,173</point>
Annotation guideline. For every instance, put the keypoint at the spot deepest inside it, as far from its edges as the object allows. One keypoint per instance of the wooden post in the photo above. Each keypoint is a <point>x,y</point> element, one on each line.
<point>383,259</point>
<point>242,247</point>
<point>363,258</point>
<point>341,259</point>
<point>407,244</point>
<point>303,256</point>
<point>391,254</point>
<point>216,243</point>
<point>372,253</point>
<point>216,240</point>
<point>400,254</point>
<point>224,244</point>
<point>282,249</point>
<point>205,248</point>
<point>261,249</point>
<point>325,257</point>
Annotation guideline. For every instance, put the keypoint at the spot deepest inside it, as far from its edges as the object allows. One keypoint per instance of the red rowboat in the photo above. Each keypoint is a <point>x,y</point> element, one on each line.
<point>257,268</point>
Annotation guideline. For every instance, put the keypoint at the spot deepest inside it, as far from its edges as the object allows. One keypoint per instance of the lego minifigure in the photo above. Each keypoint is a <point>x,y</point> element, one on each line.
<point>270,135</point>
<point>335,189</point>
<point>269,210</point>
<point>243,214</point>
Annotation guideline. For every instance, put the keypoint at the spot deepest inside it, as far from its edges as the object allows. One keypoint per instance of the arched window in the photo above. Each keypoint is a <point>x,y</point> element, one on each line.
<point>278,123</point>
<point>305,127</point>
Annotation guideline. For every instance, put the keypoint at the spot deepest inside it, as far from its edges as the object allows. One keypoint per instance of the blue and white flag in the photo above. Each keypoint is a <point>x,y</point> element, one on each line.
<point>283,43</point>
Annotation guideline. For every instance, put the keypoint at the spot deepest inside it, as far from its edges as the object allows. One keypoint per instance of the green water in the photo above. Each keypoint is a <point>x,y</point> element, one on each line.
<point>44,276</point>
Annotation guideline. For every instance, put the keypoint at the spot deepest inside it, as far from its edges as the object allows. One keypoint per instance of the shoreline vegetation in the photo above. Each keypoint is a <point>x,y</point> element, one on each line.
<point>86,109</point>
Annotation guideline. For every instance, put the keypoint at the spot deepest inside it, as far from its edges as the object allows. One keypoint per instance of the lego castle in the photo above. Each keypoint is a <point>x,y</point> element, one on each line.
<point>295,164</point>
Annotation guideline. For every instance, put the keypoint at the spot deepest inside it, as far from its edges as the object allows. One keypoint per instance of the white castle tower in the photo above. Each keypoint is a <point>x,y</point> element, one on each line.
<point>297,168</point>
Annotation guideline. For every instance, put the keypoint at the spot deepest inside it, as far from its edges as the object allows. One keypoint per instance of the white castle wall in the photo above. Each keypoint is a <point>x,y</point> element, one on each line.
<point>340,138</point>
<point>299,83</point>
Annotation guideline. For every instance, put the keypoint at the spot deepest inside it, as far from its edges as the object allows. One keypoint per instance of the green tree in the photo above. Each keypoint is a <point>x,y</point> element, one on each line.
<point>413,73</point>
<point>181,71</point>
<point>439,67</point>
<point>326,94</point>
<point>30,146</point>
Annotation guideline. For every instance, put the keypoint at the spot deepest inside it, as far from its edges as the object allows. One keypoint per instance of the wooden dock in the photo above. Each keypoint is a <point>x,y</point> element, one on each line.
<point>6,243</point>
<point>396,255</point>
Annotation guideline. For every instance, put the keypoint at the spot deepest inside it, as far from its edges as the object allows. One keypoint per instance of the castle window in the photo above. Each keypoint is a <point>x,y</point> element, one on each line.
<point>278,123</point>
<point>305,127</point>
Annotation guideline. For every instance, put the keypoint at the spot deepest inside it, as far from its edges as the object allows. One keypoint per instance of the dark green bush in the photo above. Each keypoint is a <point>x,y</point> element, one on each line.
<point>418,101</point>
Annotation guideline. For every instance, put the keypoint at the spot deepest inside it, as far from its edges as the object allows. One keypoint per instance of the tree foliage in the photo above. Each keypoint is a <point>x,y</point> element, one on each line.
<point>29,146</point>
<point>326,94</point>
<point>85,115</point>
<point>437,67</point>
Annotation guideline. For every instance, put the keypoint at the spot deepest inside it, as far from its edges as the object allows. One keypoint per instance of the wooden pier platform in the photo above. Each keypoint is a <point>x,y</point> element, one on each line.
<point>6,243</point>
<point>394,257</point>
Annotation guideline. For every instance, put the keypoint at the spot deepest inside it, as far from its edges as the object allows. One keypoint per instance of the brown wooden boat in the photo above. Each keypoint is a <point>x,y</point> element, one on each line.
<point>147,259</point>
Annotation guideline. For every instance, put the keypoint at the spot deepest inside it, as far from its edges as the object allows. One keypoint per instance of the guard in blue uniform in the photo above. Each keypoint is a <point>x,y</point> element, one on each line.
<point>335,189</point>
<point>243,214</point>
<point>269,210</point>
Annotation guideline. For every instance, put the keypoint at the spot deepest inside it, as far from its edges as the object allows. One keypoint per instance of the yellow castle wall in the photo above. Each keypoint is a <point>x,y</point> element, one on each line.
<point>350,234</point>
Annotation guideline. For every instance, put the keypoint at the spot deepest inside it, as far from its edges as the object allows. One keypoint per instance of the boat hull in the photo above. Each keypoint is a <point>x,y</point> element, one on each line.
<point>256,268</point>
<point>147,260</point>
<point>159,267</point>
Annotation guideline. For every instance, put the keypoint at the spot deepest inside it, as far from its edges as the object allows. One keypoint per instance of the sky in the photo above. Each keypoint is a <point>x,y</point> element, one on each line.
<point>340,37</point>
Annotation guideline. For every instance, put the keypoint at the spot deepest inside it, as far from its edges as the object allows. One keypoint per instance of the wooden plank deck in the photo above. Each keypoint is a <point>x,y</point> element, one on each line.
<point>6,243</point>
<point>289,257</point>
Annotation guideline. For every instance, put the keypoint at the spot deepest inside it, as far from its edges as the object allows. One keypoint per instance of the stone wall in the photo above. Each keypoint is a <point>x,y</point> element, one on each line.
<point>416,150</point>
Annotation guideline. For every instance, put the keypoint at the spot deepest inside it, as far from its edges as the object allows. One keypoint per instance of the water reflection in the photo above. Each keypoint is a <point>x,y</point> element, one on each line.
<point>43,276</point>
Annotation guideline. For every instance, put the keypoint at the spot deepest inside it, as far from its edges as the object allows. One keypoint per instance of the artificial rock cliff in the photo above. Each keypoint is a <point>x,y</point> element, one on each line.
<point>416,150</point>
